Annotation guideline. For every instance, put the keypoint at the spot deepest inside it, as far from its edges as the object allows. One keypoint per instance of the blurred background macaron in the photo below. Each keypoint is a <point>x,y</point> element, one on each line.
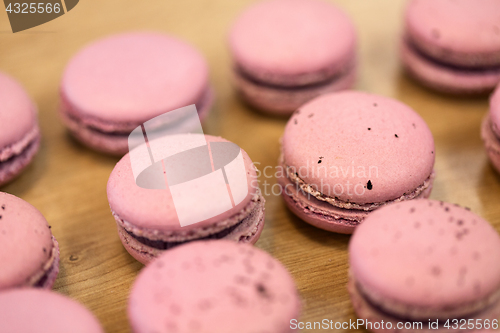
<point>153,219</point>
<point>29,254</point>
<point>490,130</point>
<point>31,310</point>
<point>19,131</point>
<point>286,52</point>
<point>117,83</point>
<point>345,154</point>
<point>453,45</point>
<point>213,286</point>
<point>425,260</point>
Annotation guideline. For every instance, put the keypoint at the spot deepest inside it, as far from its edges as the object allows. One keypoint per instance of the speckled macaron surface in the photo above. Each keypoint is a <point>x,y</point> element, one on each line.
<point>453,45</point>
<point>41,311</point>
<point>213,286</point>
<point>358,147</point>
<point>19,132</point>
<point>28,252</point>
<point>117,83</point>
<point>426,259</point>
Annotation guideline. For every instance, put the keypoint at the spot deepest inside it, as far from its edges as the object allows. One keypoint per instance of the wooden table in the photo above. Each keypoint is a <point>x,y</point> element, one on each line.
<point>67,182</point>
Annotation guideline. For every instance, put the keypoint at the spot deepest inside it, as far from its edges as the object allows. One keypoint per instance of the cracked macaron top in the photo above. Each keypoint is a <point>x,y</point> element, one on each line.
<point>426,254</point>
<point>124,80</point>
<point>25,242</point>
<point>358,148</point>
<point>292,42</point>
<point>154,209</point>
<point>460,32</point>
<point>213,286</point>
<point>18,115</point>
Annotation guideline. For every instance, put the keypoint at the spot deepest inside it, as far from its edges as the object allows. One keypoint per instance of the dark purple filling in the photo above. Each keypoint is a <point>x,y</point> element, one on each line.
<point>261,83</point>
<point>463,68</point>
<point>163,245</point>
<point>397,317</point>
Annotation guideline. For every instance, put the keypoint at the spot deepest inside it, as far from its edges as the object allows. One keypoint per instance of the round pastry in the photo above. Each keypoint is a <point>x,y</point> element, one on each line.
<point>118,83</point>
<point>425,261</point>
<point>213,287</point>
<point>32,310</point>
<point>19,132</point>
<point>348,153</point>
<point>151,219</point>
<point>286,52</point>
<point>28,252</point>
<point>453,45</point>
<point>490,130</point>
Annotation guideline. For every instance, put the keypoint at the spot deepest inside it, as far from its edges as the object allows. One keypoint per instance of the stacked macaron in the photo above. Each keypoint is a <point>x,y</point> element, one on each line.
<point>152,220</point>
<point>286,52</point>
<point>118,83</point>
<point>19,132</point>
<point>347,154</point>
<point>453,45</point>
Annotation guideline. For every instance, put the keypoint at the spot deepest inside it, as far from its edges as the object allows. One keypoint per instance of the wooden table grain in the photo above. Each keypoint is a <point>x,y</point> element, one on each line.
<point>67,182</point>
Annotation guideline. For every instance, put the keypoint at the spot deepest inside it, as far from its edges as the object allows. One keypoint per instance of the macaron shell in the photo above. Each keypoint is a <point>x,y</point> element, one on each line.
<point>25,241</point>
<point>425,253</point>
<point>213,286</point>
<point>361,141</point>
<point>283,101</point>
<point>132,77</point>
<point>17,112</point>
<point>495,110</point>
<point>41,311</point>
<point>462,32</point>
<point>448,79</point>
<point>491,142</point>
<point>154,209</point>
<point>292,41</point>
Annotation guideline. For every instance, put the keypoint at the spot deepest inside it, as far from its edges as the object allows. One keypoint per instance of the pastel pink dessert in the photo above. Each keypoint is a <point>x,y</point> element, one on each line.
<point>148,221</point>
<point>19,131</point>
<point>424,260</point>
<point>214,286</point>
<point>490,130</point>
<point>453,45</point>
<point>28,252</point>
<point>32,310</point>
<point>286,52</point>
<point>117,83</point>
<point>346,154</point>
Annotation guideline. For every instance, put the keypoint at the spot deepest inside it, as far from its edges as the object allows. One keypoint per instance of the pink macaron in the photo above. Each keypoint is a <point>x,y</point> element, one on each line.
<point>119,82</point>
<point>19,132</point>
<point>30,310</point>
<point>29,254</point>
<point>453,45</point>
<point>286,52</point>
<point>213,287</point>
<point>151,220</point>
<point>346,154</point>
<point>490,130</point>
<point>425,261</point>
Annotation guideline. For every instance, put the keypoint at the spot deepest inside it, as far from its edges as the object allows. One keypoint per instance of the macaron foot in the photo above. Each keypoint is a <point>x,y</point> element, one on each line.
<point>19,155</point>
<point>447,78</point>
<point>248,230</point>
<point>491,142</point>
